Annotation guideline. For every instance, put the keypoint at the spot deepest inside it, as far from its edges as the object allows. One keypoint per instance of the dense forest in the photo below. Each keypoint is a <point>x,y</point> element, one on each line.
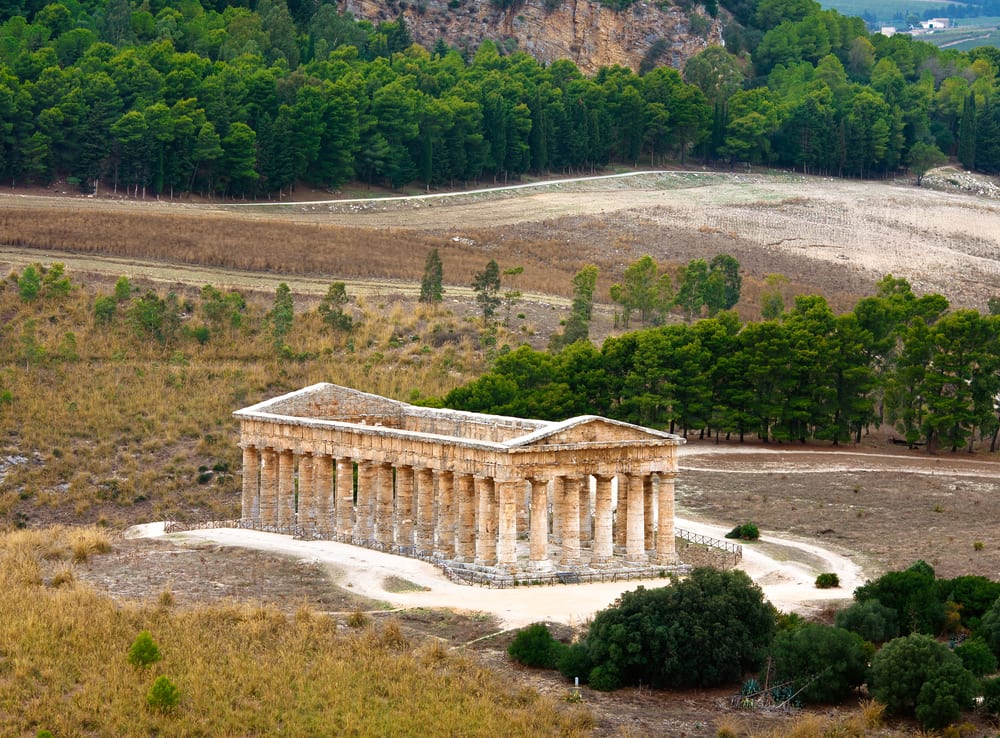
<point>227,100</point>
<point>897,359</point>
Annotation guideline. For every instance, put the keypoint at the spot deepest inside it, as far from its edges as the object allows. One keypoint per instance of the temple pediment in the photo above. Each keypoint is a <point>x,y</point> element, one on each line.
<point>593,429</point>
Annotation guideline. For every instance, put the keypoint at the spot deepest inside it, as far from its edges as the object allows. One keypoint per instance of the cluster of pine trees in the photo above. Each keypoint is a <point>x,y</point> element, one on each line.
<point>177,96</point>
<point>896,359</point>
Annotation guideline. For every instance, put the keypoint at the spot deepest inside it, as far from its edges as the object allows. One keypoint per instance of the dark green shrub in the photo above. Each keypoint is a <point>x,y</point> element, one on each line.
<point>991,695</point>
<point>975,594</point>
<point>920,676</point>
<point>604,678</point>
<point>704,630</point>
<point>827,580</point>
<point>912,594</point>
<point>574,661</point>
<point>534,646</point>
<point>977,657</point>
<point>870,619</point>
<point>144,650</point>
<point>163,695</point>
<point>744,532</point>
<point>823,663</point>
<point>989,628</point>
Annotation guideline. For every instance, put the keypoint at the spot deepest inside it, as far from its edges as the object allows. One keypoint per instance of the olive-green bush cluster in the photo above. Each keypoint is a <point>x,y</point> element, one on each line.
<point>703,630</point>
<point>714,627</point>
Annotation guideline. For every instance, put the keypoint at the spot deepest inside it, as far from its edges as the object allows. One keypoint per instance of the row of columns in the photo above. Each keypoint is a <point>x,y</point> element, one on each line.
<point>461,517</point>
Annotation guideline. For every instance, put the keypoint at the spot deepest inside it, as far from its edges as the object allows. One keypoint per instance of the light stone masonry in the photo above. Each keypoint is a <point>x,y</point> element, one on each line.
<point>458,487</point>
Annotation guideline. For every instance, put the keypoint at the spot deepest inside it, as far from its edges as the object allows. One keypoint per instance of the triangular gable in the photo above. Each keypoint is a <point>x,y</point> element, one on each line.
<point>593,429</point>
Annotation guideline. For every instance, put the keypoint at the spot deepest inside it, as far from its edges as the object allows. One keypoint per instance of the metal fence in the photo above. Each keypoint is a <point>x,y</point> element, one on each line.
<point>734,548</point>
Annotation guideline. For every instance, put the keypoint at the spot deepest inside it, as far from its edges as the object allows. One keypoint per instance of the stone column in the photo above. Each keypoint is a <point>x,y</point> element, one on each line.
<point>251,498</point>
<point>424,483</point>
<point>586,514</point>
<point>286,490</point>
<point>404,506</point>
<point>465,540</point>
<point>523,507</point>
<point>383,504</point>
<point>569,499</point>
<point>539,534</point>
<point>555,499</point>
<point>444,538</point>
<point>323,471</point>
<point>345,497</point>
<point>486,541</point>
<point>603,551</point>
<point>508,494</point>
<point>648,505</point>
<point>364,517</point>
<point>268,488</point>
<point>635,540</point>
<point>307,493</point>
<point>666,553</point>
<point>621,513</point>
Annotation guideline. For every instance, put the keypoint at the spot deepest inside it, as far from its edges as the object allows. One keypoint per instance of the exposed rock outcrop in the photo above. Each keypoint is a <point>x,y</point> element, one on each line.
<point>588,33</point>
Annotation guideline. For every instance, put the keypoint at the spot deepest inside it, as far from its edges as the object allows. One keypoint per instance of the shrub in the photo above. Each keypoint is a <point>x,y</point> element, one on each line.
<point>912,594</point>
<point>824,663</point>
<point>163,695</point>
<point>534,646</point>
<point>144,650</point>
<point>745,532</point>
<point>30,283</point>
<point>991,695</point>
<point>977,657</point>
<point>989,628</point>
<point>827,580</point>
<point>918,675</point>
<point>105,308</point>
<point>574,661</point>
<point>704,630</point>
<point>870,619</point>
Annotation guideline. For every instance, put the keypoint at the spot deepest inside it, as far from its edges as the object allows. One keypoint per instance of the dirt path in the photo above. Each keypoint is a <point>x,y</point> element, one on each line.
<point>785,569</point>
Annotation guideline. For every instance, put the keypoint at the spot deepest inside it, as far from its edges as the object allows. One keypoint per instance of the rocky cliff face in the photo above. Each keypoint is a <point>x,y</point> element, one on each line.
<point>584,31</point>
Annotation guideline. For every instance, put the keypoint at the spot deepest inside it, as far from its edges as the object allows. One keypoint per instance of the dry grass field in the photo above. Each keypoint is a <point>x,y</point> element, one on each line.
<point>126,433</point>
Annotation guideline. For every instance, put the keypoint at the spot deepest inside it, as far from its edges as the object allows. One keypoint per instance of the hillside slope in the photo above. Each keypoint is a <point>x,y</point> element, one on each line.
<point>592,35</point>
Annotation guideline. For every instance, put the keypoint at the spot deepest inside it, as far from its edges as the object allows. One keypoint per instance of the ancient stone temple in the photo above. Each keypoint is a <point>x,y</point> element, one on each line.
<point>494,493</point>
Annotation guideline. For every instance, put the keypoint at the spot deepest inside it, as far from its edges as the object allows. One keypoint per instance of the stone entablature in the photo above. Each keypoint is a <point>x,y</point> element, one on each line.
<point>458,486</point>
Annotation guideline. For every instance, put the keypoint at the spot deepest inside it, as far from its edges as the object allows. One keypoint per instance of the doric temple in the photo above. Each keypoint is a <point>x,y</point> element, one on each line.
<point>495,493</point>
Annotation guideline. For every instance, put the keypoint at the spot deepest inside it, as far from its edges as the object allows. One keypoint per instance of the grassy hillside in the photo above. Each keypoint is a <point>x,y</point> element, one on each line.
<point>240,669</point>
<point>111,421</point>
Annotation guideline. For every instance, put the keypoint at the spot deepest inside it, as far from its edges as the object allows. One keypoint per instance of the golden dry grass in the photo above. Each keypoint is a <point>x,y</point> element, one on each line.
<point>124,428</point>
<point>242,669</point>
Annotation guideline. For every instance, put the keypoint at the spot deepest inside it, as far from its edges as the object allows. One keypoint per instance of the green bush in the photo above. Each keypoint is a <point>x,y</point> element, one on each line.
<point>827,580</point>
<point>977,657</point>
<point>870,619</point>
<point>920,676</point>
<point>989,628</point>
<point>703,630</point>
<point>912,594</point>
<point>991,695</point>
<point>163,695</point>
<point>534,646</point>
<point>574,661</point>
<point>823,663</point>
<point>744,532</point>
<point>144,650</point>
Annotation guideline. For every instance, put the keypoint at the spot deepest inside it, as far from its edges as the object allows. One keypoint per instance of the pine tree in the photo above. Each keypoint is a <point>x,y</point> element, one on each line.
<point>430,285</point>
<point>967,133</point>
